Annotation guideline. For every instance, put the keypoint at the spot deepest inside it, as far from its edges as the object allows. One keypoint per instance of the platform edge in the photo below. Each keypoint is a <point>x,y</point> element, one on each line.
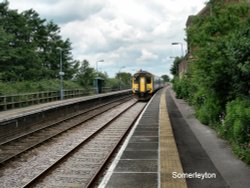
<point>169,156</point>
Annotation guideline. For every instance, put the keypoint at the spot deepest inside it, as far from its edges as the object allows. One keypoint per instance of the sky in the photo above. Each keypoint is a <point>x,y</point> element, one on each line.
<point>127,35</point>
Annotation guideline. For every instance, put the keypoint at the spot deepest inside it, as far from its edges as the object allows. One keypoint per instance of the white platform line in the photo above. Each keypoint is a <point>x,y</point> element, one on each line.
<point>117,158</point>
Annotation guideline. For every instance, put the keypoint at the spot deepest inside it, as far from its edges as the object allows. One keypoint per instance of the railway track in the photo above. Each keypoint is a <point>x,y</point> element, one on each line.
<point>21,144</point>
<point>77,155</point>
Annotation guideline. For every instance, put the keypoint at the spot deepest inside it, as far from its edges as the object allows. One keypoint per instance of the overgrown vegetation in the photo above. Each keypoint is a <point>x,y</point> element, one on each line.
<point>13,88</point>
<point>30,47</point>
<point>218,78</point>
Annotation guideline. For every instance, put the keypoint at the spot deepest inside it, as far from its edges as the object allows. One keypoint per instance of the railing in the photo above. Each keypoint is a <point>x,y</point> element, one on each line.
<point>23,100</point>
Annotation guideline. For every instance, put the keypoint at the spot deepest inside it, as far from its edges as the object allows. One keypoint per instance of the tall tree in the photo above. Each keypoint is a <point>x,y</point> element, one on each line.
<point>86,75</point>
<point>165,78</point>
<point>124,78</point>
<point>175,66</point>
<point>30,45</point>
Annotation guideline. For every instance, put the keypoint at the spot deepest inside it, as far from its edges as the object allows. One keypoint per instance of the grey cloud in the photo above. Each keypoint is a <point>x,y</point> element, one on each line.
<point>118,31</point>
<point>60,11</point>
<point>72,13</point>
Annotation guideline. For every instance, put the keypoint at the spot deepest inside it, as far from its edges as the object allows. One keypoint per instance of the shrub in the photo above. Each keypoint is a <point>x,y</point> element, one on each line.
<point>237,127</point>
<point>209,112</point>
<point>181,87</point>
<point>12,88</point>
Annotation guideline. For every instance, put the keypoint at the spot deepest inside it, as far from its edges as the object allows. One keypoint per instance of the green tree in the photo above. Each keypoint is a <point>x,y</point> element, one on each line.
<point>175,66</point>
<point>86,75</point>
<point>217,82</point>
<point>124,78</point>
<point>30,47</point>
<point>216,66</point>
<point>113,83</point>
<point>165,78</point>
<point>238,50</point>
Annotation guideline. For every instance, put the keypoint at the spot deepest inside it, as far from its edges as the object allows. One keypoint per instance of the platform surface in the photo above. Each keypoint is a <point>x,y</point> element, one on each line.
<point>19,112</point>
<point>201,149</point>
<point>138,165</point>
<point>145,161</point>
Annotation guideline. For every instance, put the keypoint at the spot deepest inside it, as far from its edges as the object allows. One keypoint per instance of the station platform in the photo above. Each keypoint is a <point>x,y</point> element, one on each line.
<point>149,155</point>
<point>19,112</point>
<point>164,150</point>
<point>28,119</point>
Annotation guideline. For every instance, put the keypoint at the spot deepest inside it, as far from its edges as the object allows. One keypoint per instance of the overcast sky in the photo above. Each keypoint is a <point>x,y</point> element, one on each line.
<point>127,34</point>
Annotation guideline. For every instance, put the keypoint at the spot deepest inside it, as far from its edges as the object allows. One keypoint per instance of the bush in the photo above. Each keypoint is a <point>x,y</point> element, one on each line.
<point>6,89</point>
<point>181,87</point>
<point>113,83</point>
<point>12,88</point>
<point>209,112</point>
<point>237,127</point>
<point>242,152</point>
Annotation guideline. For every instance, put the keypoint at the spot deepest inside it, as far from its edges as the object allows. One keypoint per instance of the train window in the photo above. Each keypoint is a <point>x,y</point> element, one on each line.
<point>136,80</point>
<point>148,80</point>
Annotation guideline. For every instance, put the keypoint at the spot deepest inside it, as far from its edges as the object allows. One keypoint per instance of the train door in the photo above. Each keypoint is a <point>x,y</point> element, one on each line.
<point>135,82</point>
<point>142,84</point>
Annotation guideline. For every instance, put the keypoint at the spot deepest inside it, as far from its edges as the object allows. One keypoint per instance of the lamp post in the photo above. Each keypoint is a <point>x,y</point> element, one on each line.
<point>61,74</point>
<point>97,65</point>
<point>179,43</point>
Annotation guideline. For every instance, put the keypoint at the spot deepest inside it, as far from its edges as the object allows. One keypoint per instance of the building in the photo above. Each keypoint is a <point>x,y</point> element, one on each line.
<point>206,11</point>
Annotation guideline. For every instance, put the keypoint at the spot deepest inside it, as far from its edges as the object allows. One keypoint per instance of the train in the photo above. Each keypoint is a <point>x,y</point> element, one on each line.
<point>145,84</point>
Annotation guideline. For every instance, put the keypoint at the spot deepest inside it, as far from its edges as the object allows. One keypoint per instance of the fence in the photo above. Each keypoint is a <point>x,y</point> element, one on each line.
<point>23,100</point>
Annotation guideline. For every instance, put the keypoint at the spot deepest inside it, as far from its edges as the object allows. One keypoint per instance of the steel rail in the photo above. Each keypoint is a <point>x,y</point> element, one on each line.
<point>65,119</point>
<point>104,164</point>
<point>8,158</point>
<point>72,151</point>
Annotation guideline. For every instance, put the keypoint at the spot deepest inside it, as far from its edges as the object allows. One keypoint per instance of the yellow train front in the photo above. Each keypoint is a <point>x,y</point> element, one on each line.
<point>144,84</point>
